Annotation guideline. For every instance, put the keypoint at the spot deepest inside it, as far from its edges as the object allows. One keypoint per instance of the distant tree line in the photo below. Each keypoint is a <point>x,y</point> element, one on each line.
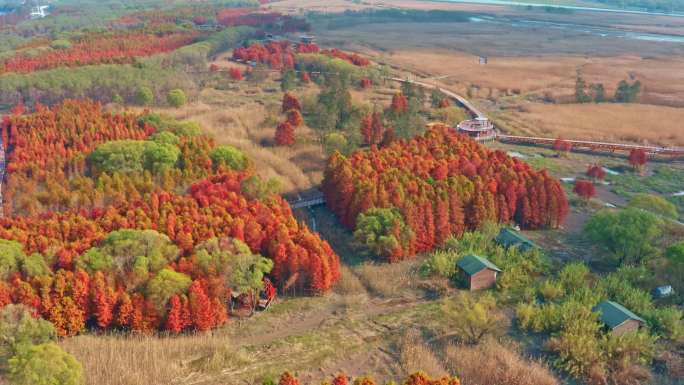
<point>596,92</point>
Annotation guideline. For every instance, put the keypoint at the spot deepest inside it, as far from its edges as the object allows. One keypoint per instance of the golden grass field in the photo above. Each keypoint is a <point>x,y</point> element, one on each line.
<point>646,123</point>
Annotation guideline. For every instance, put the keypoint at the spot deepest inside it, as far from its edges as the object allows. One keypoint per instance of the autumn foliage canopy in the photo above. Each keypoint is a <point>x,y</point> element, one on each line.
<point>441,184</point>
<point>100,49</point>
<point>71,265</point>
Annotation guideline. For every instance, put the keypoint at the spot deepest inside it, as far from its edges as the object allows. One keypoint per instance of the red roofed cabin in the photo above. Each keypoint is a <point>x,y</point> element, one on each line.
<point>479,272</point>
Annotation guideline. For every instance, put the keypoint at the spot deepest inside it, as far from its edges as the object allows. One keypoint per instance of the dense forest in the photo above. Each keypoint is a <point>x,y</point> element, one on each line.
<point>105,236</point>
<point>411,195</point>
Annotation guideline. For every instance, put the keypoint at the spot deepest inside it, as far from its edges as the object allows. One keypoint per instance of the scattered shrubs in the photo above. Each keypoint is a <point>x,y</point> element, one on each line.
<point>578,340</point>
<point>520,268</point>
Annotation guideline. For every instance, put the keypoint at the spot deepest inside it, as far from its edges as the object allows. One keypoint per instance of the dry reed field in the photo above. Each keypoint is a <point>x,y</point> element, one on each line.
<point>613,122</point>
<point>491,363</point>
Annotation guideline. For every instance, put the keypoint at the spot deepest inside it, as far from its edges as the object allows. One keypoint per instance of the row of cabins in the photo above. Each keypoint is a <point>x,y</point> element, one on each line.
<point>480,274</point>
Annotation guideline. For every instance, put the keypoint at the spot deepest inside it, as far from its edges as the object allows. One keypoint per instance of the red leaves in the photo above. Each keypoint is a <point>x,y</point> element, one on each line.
<point>373,129</point>
<point>235,74</point>
<point>562,145</point>
<point>285,134</point>
<point>637,158</point>
<point>418,378</point>
<point>290,102</point>
<point>436,182</point>
<point>352,58</point>
<point>294,117</point>
<point>596,172</point>
<point>99,49</point>
<point>444,103</point>
<point>366,83</point>
<point>399,103</point>
<point>288,379</point>
<point>585,189</point>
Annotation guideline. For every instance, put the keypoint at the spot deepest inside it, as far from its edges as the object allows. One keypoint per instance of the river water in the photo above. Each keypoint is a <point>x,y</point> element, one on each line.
<point>588,29</point>
<point>571,7</point>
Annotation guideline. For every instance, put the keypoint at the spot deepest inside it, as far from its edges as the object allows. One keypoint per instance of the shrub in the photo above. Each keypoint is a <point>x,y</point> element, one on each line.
<point>675,253</point>
<point>176,98</point>
<point>44,364</point>
<point>628,234</point>
<point>19,328</point>
<point>60,44</point>
<point>584,189</point>
<point>228,156</point>
<point>655,204</point>
<point>472,319</point>
<point>144,96</point>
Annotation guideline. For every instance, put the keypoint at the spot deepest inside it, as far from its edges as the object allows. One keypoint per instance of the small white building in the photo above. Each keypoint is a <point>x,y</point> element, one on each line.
<point>39,12</point>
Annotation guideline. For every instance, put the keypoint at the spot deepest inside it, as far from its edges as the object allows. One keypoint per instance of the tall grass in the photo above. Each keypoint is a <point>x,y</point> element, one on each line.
<point>491,363</point>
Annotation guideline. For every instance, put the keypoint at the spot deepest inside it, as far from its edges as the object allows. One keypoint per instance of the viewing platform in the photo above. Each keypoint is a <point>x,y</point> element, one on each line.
<point>480,129</point>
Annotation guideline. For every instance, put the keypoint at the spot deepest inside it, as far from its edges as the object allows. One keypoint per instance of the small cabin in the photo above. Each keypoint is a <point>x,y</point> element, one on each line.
<point>617,318</point>
<point>478,271</point>
<point>510,238</point>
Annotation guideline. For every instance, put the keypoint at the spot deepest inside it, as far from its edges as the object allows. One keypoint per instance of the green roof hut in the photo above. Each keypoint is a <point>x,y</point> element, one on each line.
<point>618,318</point>
<point>510,238</point>
<point>480,273</point>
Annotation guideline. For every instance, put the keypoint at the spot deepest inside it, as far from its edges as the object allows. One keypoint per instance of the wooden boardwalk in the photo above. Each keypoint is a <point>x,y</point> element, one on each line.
<point>579,144</point>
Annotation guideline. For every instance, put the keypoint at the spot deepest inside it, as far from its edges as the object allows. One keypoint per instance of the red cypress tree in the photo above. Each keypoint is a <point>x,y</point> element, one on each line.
<point>213,68</point>
<point>638,158</point>
<point>596,172</point>
<point>378,128</point>
<point>305,77</point>
<point>399,103</point>
<point>124,310</point>
<point>285,135</point>
<point>365,83</point>
<point>235,73</point>
<point>288,379</point>
<point>367,129</point>
<point>585,189</point>
<point>294,117</point>
<point>340,379</point>
<point>290,102</point>
<point>174,317</point>
<point>102,297</point>
<point>562,146</point>
<point>444,103</point>
<point>200,307</point>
